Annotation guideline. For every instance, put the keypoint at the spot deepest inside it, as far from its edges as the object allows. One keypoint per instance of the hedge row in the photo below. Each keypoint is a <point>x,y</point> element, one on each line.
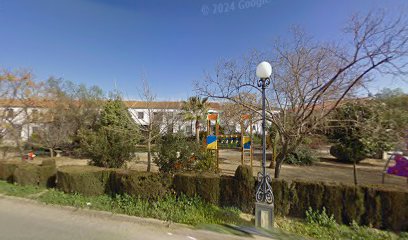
<point>373,206</point>
<point>380,208</point>
<point>25,173</point>
<point>90,181</point>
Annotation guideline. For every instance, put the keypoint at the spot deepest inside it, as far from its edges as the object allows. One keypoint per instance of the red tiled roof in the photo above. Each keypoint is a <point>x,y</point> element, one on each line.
<point>44,103</point>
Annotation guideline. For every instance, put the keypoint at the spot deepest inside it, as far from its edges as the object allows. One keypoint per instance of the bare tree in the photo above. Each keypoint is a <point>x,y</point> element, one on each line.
<point>18,94</point>
<point>71,108</point>
<point>159,119</point>
<point>310,79</point>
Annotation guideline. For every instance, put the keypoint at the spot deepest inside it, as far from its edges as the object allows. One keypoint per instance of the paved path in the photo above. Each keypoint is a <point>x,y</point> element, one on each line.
<point>24,219</point>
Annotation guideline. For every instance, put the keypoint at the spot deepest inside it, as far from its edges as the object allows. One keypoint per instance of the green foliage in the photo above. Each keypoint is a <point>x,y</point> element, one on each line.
<point>205,162</point>
<point>335,231</point>
<point>396,108</point>
<point>114,139</point>
<point>244,188</point>
<point>143,185</point>
<point>205,185</point>
<point>301,156</point>
<point>179,209</point>
<point>348,154</point>
<point>176,153</point>
<point>320,218</point>
<point>195,108</point>
<point>362,130</point>
<point>86,180</point>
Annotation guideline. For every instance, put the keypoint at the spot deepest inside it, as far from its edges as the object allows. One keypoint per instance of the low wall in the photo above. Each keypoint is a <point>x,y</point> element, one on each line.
<point>367,205</point>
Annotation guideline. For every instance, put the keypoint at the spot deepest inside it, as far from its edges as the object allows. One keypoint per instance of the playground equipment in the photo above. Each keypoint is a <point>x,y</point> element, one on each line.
<point>399,169</point>
<point>215,141</point>
<point>212,140</point>
<point>246,143</point>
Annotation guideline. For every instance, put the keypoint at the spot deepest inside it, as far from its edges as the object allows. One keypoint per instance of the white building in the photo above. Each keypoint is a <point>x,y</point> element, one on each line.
<point>24,117</point>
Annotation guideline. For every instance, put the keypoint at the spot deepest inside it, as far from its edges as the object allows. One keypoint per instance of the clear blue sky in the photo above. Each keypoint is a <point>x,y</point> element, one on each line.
<point>172,42</point>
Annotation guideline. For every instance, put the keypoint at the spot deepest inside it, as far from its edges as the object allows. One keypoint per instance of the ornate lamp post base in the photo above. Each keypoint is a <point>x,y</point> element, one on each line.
<point>264,217</point>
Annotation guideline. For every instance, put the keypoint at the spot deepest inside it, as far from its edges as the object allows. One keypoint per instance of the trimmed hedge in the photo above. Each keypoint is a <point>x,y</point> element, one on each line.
<point>87,180</point>
<point>145,185</point>
<point>7,171</point>
<point>244,189</point>
<point>25,173</point>
<point>205,185</point>
<point>47,173</point>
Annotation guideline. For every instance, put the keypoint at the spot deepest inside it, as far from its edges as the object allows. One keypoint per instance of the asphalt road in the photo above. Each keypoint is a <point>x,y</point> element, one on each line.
<point>24,219</point>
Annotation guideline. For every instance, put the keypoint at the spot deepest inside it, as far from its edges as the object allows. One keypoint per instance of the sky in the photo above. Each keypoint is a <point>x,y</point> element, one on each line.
<point>170,43</point>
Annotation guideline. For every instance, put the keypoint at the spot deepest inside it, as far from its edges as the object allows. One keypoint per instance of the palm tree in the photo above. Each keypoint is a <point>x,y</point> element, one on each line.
<point>195,109</point>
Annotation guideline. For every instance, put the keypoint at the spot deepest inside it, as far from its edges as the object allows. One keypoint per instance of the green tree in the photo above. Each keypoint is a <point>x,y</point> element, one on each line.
<point>195,109</point>
<point>396,108</point>
<point>360,130</point>
<point>114,139</point>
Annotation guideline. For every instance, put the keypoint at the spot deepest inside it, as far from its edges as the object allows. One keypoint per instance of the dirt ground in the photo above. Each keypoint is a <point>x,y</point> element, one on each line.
<point>369,170</point>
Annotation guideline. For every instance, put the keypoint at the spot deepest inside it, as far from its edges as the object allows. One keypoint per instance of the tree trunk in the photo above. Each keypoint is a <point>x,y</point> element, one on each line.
<point>197,128</point>
<point>355,172</point>
<point>149,151</point>
<point>51,152</point>
<point>279,159</point>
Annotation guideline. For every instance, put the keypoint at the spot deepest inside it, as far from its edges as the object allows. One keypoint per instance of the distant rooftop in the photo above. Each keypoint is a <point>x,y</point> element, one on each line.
<point>45,103</point>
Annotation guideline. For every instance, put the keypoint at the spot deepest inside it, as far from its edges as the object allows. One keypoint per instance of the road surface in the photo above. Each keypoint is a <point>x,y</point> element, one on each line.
<point>22,219</point>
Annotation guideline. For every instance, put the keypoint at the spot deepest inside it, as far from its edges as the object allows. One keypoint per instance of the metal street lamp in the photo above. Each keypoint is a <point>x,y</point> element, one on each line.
<point>264,195</point>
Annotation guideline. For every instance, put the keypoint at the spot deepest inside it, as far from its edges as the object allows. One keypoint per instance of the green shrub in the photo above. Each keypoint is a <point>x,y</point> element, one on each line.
<point>301,156</point>
<point>176,153</point>
<point>114,139</point>
<point>320,218</point>
<point>348,154</point>
<point>205,162</point>
<point>86,180</point>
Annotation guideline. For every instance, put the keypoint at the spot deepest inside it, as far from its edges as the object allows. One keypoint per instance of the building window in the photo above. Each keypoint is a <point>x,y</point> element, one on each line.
<point>158,116</point>
<point>140,115</point>
<point>10,113</point>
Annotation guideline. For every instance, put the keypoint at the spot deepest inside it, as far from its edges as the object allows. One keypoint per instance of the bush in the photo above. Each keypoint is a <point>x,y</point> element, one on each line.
<point>347,154</point>
<point>301,156</point>
<point>114,139</point>
<point>320,218</point>
<point>205,162</point>
<point>176,153</point>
